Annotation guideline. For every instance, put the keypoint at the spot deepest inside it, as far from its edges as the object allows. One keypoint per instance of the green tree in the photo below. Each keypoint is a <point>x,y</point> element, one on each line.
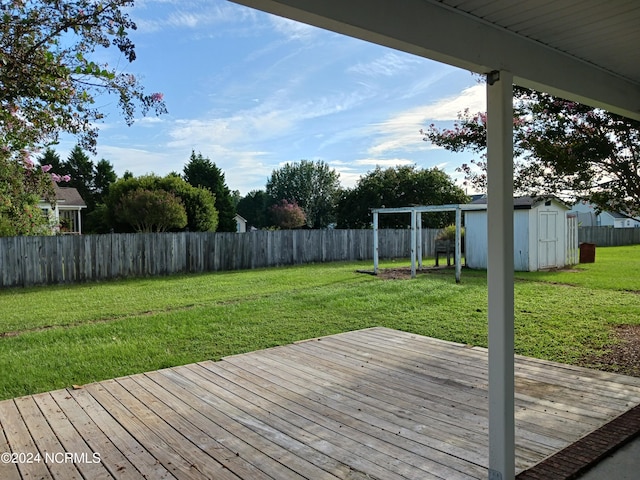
<point>82,171</point>
<point>151,210</point>
<point>254,207</point>
<point>401,186</point>
<point>235,198</point>
<point>104,176</point>
<point>287,215</point>
<point>50,77</point>
<point>314,186</point>
<point>96,220</point>
<point>202,172</point>
<point>199,203</point>
<point>561,148</point>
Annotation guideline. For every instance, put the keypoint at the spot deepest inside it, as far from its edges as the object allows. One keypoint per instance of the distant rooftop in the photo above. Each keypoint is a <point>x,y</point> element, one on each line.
<point>68,197</point>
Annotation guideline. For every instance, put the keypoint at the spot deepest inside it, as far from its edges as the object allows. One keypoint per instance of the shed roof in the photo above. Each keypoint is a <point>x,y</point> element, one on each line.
<point>524,202</point>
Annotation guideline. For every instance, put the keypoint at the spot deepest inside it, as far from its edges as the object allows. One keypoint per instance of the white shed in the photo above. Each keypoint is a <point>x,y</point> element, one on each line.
<point>544,235</point>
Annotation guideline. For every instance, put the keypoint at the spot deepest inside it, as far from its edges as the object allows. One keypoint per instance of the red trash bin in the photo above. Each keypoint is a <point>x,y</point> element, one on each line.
<point>587,252</point>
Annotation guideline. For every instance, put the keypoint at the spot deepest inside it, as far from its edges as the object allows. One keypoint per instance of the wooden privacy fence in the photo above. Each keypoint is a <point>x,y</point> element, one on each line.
<point>608,236</point>
<point>71,259</point>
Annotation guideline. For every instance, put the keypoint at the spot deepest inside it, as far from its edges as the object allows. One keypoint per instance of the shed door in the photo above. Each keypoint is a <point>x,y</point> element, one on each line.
<point>548,239</point>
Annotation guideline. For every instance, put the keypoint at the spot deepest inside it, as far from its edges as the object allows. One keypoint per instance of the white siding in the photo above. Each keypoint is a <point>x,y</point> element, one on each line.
<point>475,239</point>
<point>531,250</point>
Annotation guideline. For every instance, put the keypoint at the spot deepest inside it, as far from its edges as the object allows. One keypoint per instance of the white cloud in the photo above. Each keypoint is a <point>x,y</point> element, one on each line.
<point>277,116</point>
<point>139,161</point>
<point>243,169</point>
<point>348,178</point>
<point>387,65</point>
<point>401,131</point>
<point>473,98</point>
<point>291,29</point>
<point>156,15</point>
<point>149,121</point>
<point>388,162</point>
<point>184,19</point>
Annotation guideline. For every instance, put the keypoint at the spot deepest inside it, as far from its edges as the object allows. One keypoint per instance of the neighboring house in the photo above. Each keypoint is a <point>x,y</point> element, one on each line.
<point>587,217</point>
<point>241,224</point>
<point>545,236</point>
<point>65,217</point>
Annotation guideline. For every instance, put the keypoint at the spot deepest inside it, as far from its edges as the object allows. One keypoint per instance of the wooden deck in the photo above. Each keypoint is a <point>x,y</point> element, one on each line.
<point>374,403</point>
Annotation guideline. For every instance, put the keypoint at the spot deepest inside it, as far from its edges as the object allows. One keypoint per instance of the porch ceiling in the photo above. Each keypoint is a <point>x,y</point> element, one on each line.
<point>584,50</point>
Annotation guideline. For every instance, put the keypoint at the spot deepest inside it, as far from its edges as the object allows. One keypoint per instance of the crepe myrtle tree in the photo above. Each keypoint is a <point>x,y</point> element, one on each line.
<point>287,215</point>
<point>22,185</point>
<point>561,148</point>
<point>51,75</point>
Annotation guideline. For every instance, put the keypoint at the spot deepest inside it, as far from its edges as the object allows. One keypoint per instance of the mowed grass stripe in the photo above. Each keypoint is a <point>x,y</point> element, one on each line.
<point>54,337</point>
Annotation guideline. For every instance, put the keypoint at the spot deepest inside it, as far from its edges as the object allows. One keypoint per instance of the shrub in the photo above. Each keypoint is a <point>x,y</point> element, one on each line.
<point>449,233</point>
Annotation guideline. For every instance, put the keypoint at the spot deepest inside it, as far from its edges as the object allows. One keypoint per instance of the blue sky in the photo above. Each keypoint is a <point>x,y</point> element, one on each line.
<point>252,91</point>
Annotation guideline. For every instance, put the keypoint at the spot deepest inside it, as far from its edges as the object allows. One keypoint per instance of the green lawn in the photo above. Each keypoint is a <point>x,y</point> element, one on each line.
<point>54,337</point>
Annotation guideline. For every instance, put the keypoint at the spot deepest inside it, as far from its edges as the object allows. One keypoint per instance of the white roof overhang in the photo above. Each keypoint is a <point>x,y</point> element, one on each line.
<point>583,50</point>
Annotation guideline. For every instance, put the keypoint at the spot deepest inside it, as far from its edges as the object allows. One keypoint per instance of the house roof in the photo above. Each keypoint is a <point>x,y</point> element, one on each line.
<point>522,203</point>
<point>611,213</point>
<point>68,197</point>
<point>618,215</point>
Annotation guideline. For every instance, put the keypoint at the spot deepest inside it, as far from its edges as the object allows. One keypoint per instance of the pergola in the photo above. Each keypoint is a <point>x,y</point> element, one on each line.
<point>416,231</point>
<point>583,50</point>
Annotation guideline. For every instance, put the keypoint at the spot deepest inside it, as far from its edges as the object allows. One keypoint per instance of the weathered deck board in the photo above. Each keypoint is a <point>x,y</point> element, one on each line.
<point>8,471</point>
<point>374,403</point>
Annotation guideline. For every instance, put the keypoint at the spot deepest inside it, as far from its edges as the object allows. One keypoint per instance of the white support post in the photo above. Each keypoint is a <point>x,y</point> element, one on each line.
<point>79,221</point>
<point>414,214</point>
<point>500,275</point>
<point>419,239</point>
<point>458,252</point>
<point>375,243</point>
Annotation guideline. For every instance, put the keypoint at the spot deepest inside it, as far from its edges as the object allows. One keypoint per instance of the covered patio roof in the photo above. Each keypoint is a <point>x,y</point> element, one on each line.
<point>582,50</point>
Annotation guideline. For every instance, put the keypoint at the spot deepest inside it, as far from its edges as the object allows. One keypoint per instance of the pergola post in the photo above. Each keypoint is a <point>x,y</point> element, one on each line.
<point>458,246</point>
<point>500,275</point>
<point>414,214</point>
<point>419,238</point>
<point>375,243</point>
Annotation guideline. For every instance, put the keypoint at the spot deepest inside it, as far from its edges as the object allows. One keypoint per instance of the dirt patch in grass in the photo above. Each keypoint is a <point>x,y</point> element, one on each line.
<point>404,273</point>
<point>622,356</point>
